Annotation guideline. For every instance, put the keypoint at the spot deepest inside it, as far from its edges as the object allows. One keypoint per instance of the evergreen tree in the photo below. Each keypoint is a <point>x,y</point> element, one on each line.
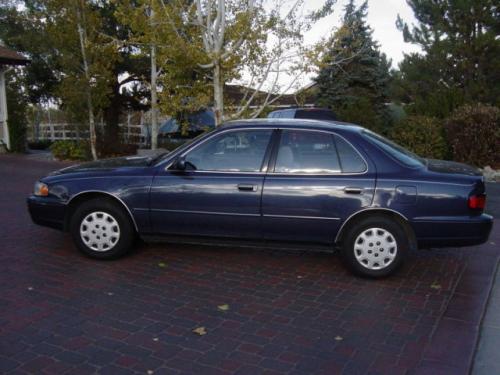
<point>355,76</point>
<point>460,61</point>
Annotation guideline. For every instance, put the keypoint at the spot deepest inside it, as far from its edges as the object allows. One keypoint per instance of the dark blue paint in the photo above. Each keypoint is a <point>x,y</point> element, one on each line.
<point>305,208</point>
<point>309,208</point>
<point>206,204</point>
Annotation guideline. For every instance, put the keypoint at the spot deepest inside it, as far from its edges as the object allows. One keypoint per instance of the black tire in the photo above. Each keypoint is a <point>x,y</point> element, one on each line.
<point>389,260</point>
<point>126,231</point>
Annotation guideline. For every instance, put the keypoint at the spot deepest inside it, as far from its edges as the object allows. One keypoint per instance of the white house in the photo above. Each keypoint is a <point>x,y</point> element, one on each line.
<point>8,59</point>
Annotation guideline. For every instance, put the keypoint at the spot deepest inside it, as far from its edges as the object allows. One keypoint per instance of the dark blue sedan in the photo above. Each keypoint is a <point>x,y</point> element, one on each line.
<point>300,183</point>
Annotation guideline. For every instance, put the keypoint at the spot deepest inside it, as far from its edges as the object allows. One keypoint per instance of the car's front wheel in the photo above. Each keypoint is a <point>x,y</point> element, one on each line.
<point>374,246</point>
<point>101,229</point>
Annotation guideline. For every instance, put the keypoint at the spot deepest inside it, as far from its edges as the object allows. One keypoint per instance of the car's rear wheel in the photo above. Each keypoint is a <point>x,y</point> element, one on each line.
<point>102,229</point>
<point>374,246</point>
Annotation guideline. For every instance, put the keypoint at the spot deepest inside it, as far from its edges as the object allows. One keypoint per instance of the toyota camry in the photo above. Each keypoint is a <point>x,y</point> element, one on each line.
<point>295,183</point>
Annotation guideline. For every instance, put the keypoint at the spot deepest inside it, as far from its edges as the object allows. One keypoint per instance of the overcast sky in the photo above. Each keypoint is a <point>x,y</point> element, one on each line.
<point>382,15</point>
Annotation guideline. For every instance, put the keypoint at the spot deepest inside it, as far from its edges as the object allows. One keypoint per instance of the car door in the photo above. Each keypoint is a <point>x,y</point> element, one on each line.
<point>220,193</point>
<point>316,180</point>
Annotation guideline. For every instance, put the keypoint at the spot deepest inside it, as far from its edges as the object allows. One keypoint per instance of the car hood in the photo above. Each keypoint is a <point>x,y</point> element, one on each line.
<point>106,164</point>
<point>445,166</point>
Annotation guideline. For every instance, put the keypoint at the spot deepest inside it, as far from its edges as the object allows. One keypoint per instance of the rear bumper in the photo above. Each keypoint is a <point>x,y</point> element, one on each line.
<point>47,211</point>
<point>452,231</point>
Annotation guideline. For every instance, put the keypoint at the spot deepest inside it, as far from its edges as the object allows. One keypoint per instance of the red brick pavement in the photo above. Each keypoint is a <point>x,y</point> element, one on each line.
<point>289,312</point>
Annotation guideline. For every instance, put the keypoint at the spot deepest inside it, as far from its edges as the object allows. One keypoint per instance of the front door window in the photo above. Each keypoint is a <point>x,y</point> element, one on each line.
<point>234,151</point>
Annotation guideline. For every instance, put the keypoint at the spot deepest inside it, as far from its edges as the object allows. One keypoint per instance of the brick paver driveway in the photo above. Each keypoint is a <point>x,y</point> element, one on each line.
<point>287,312</point>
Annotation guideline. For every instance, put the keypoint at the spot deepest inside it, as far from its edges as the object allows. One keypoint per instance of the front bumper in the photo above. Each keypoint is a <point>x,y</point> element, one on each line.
<point>47,211</point>
<point>453,231</point>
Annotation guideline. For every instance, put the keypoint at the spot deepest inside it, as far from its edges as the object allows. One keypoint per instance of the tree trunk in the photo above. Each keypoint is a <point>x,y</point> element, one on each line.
<point>112,140</point>
<point>92,134</point>
<point>218,95</point>
<point>154,101</point>
<point>90,107</point>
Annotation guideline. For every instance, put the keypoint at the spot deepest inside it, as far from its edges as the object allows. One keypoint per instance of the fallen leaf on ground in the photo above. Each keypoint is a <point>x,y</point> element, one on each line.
<point>338,338</point>
<point>435,286</point>
<point>200,331</point>
<point>223,307</point>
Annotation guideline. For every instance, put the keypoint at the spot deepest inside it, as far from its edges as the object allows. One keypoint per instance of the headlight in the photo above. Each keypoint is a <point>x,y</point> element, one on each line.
<point>41,189</point>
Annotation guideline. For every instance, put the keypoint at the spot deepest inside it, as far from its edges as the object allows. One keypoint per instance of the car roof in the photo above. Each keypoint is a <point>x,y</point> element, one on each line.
<point>292,123</point>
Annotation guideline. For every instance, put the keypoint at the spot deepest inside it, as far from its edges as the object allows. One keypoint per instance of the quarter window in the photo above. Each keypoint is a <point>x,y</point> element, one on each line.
<point>235,151</point>
<point>350,160</point>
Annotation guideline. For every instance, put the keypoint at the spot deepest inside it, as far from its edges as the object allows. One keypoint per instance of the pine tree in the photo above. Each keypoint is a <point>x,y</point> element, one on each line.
<point>460,61</point>
<point>355,76</point>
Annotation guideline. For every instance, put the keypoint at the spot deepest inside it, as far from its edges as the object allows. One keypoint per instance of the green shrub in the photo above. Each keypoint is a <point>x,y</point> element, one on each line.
<point>71,150</point>
<point>422,135</point>
<point>473,132</point>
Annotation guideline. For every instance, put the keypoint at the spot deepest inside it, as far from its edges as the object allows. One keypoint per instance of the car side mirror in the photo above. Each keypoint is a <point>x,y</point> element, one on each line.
<point>180,163</point>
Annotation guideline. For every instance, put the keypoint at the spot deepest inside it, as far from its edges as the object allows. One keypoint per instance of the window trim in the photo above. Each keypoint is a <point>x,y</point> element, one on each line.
<point>271,154</point>
<point>274,156</point>
<point>265,161</point>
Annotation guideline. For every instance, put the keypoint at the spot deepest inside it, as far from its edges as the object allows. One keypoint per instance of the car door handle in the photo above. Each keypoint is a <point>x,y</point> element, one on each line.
<point>247,187</point>
<point>353,190</point>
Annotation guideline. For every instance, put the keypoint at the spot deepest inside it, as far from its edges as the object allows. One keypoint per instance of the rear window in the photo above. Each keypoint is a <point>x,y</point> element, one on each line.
<point>394,150</point>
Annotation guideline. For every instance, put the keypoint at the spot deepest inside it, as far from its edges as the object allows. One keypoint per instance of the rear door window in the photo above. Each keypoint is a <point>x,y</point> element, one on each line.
<point>303,151</point>
<point>315,152</point>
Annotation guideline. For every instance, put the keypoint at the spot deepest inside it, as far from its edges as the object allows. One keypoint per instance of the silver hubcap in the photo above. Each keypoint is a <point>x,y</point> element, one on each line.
<point>375,248</point>
<point>100,231</point>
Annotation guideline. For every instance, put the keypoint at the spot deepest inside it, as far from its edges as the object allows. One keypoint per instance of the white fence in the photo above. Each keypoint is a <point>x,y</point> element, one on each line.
<point>136,134</point>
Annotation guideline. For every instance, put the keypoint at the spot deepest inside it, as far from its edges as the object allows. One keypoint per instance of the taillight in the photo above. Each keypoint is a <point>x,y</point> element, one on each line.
<point>477,202</point>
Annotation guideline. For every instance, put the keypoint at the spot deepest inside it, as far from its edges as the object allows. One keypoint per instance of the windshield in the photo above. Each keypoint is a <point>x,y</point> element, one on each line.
<point>398,152</point>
